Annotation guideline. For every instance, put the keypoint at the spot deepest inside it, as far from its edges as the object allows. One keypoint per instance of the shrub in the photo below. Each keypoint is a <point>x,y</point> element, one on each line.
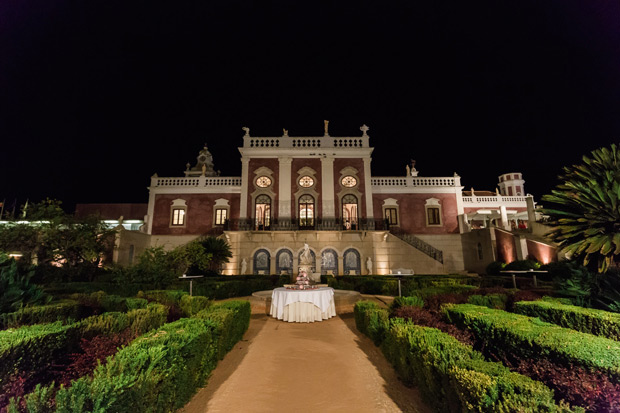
<point>522,265</point>
<point>34,348</point>
<point>414,301</point>
<point>587,320</point>
<point>494,268</point>
<point>136,303</point>
<point>372,319</point>
<point>528,337</point>
<point>159,371</point>
<point>497,301</point>
<point>16,290</point>
<point>426,318</point>
<point>191,305</point>
<point>447,289</point>
<point>454,377</point>
<point>230,321</point>
<point>60,311</point>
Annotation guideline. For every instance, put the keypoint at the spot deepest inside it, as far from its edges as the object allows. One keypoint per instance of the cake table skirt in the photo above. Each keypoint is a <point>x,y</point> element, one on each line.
<point>303,306</point>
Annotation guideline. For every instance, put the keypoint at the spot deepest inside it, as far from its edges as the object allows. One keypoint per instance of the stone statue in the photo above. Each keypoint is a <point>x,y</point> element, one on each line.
<point>408,171</point>
<point>247,131</point>
<point>369,265</point>
<point>204,169</point>
<point>306,256</point>
<point>326,127</point>
<point>284,132</point>
<point>244,266</point>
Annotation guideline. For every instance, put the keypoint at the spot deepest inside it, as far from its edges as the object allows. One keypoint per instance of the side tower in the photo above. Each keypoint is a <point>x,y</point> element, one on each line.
<point>511,184</point>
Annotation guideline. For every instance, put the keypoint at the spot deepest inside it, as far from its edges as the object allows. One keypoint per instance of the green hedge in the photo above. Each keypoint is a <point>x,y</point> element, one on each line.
<point>587,320</point>
<point>398,302</point>
<point>497,301</point>
<point>160,371</point>
<point>189,305</point>
<point>446,289</point>
<point>108,302</point>
<point>64,310</point>
<point>371,320</point>
<point>388,285</point>
<point>32,348</point>
<point>230,321</point>
<point>530,337</point>
<point>454,377</point>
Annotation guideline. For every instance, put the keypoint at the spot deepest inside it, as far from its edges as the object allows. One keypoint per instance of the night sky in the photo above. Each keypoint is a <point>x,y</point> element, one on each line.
<point>96,96</point>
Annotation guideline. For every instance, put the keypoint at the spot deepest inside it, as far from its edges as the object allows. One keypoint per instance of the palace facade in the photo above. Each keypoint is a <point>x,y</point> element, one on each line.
<point>320,190</point>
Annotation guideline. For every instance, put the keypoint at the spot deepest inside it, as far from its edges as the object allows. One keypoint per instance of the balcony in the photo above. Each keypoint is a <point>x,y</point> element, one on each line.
<point>320,224</point>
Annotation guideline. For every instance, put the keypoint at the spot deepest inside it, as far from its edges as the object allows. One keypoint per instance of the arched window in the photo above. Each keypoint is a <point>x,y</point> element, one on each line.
<point>262,212</point>
<point>329,262</point>
<point>352,263</point>
<point>284,262</point>
<point>349,211</point>
<point>313,268</point>
<point>262,261</point>
<point>306,212</point>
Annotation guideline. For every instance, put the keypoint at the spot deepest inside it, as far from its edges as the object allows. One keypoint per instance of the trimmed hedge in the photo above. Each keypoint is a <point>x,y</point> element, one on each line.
<point>530,337</point>
<point>454,377</point>
<point>60,311</point>
<point>230,321</point>
<point>158,372</point>
<point>451,375</point>
<point>33,348</point>
<point>188,305</point>
<point>371,320</point>
<point>587,320</point>
<point>447,289</point>
<point>497,301</point>
<point>414,301</point>
<point>388,285</point>
<point>161,370</point>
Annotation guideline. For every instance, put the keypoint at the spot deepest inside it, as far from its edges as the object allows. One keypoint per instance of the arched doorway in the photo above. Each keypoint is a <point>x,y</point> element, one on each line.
<point>306,212</point>
<point>262,212</point>
<point>262,262</point>
<point>352,263</point>
<point>349,212</point>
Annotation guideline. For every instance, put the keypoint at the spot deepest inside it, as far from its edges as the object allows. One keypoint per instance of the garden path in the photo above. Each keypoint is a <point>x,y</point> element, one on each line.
<point>316,367</point>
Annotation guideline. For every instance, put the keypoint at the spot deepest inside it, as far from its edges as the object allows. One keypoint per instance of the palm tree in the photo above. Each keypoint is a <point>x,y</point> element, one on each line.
<point>585,213</point>
<point>219,250</point>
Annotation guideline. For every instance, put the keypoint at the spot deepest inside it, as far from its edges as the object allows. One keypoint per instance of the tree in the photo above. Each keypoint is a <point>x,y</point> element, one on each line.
<point>585,210</point>
<point>219,252</point>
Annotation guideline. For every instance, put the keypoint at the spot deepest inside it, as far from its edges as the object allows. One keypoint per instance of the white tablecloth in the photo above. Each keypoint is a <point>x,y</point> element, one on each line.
<point>303,306</point>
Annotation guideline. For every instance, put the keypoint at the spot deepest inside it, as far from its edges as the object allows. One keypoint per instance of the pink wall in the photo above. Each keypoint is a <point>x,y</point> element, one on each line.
<point>412,213</point>
<point>506,248</point>
<point>199,218</point>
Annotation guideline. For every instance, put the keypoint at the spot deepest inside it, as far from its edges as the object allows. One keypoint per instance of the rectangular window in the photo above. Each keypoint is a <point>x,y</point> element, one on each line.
<point>221,215</point>
<point>390,216</point>
<point>178,217</point>
<point>432,215</point>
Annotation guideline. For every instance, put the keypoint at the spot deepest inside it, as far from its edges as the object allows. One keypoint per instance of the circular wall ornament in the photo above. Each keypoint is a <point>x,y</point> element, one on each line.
<point>263,181</point>
<point>306,181</point>
<point>349,181</point>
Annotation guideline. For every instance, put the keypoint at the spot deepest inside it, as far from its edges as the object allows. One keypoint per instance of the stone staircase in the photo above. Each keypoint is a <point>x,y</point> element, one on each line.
<point>421,246</point>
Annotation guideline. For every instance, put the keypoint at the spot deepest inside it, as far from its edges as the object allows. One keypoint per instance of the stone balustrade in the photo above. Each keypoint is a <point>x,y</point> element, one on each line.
<point>305,142</point>
<point>494,201</point>
<point>200,181</point>
<point>404,181</point>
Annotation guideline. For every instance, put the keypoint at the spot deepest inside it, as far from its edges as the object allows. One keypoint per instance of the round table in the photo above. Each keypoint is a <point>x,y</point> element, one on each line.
<point>302,306</point>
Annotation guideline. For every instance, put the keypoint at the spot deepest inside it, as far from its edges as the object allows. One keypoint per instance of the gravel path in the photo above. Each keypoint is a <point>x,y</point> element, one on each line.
<point>317,367</point>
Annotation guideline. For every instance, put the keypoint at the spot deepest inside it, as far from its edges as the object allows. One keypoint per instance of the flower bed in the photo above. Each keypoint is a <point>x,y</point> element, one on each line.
<point>587,320</point>
<point>157,372</point>
<point>531,338</point>
<point>451,375</point>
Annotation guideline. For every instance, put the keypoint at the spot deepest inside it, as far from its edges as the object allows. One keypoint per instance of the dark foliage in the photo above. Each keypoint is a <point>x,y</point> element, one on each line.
<point>433,303</point>
<point>93,351</point>
<point>593,391</point>
<point>521,295</point>
<point>426,318</point>
<point>16,385</point>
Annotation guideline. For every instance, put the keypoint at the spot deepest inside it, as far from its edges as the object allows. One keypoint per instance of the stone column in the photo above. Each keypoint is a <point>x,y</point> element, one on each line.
<point>284,188</point>
<point>504,218</point>
<point>368,189</point>
<point>531,214</point>
<point>327,187</point>
<point>243,207</point>
<point>340,265</point>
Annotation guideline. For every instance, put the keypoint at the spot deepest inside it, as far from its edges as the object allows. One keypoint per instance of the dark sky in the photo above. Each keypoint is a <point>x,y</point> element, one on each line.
<point>96,96</point>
